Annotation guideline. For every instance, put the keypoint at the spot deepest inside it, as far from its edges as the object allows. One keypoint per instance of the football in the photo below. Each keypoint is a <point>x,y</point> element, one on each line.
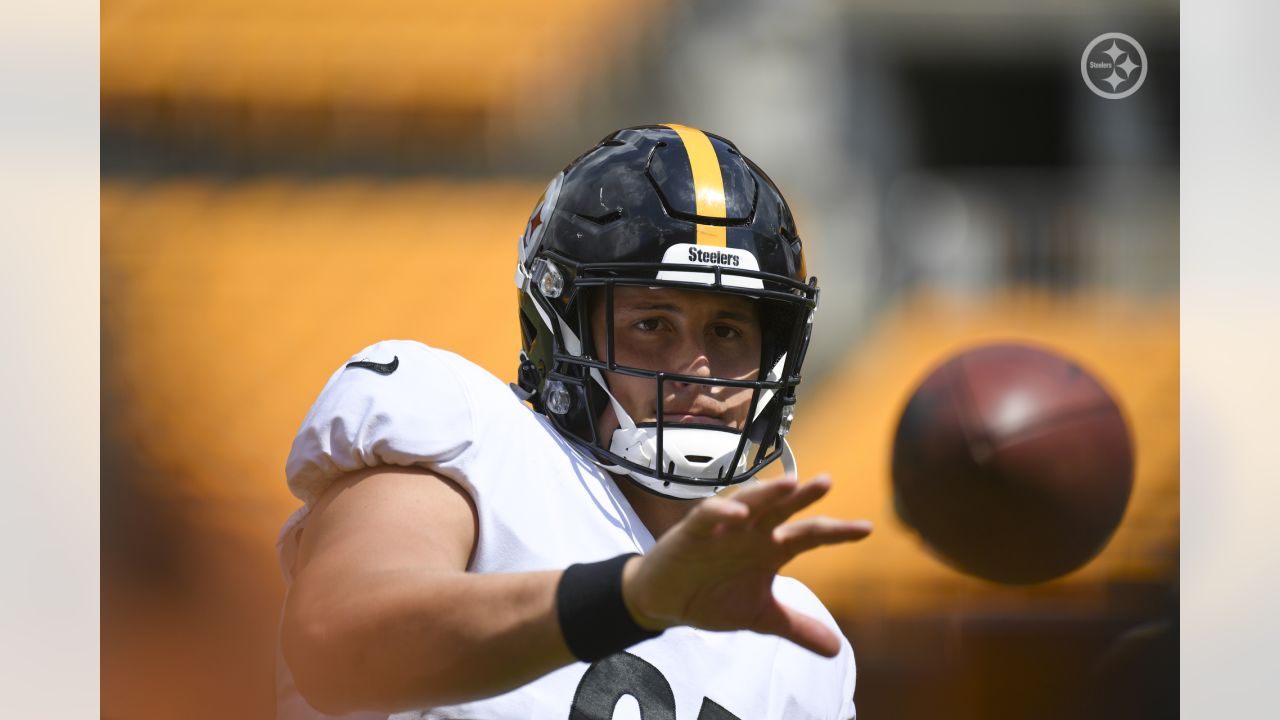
<point>1012,463</point>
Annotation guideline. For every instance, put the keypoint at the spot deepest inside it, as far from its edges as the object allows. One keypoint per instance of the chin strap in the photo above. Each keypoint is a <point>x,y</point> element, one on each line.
<point>788,460</point>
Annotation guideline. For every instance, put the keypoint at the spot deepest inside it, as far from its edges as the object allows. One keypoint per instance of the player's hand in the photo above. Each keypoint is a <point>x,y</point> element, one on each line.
<point>715,568</point>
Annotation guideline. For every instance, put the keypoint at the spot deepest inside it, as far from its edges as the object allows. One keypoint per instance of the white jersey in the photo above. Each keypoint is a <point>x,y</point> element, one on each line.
<point>543,505</point>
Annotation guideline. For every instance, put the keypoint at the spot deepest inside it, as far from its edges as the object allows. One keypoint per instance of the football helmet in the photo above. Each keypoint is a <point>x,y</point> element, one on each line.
<point>661,206</point>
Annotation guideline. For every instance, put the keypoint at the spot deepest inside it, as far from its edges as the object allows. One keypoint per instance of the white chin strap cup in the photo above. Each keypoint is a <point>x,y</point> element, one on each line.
<point>693,452</point>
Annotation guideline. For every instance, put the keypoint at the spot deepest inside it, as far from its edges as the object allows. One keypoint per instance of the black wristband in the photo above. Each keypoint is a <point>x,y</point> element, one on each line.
<point>594,619</point>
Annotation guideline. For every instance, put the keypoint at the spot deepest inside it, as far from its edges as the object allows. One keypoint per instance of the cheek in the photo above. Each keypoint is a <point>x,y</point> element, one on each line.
<point>740,363</point>
<point>635,394</point>
<point>643,353</point>
<point>606,424</point>
<point>739,401</point>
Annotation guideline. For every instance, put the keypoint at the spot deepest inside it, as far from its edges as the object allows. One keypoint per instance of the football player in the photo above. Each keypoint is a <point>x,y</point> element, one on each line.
<point>469,549</point>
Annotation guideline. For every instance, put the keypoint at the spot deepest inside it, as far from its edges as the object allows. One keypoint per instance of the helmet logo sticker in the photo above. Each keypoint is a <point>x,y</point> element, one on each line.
<point>546,205</point>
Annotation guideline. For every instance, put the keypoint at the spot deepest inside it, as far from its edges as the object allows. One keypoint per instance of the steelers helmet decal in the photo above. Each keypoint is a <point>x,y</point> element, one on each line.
<point>542,210</point>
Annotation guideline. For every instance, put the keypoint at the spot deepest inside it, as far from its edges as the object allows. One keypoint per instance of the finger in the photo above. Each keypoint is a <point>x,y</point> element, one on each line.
<point>802,497</point>
<point>803,630</point>
<point>765,493</point>
<point>809,533</point>
<point>714,512</point>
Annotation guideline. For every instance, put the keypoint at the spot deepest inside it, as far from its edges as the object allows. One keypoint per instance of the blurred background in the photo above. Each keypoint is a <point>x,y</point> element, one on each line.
<point>284,183</point>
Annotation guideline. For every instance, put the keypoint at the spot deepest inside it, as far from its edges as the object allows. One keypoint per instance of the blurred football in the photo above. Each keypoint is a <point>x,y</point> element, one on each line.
<point>1012,463</point>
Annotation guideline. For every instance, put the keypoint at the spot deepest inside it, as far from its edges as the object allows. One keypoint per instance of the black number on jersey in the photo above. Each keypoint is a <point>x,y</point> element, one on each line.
<point>606,681</point>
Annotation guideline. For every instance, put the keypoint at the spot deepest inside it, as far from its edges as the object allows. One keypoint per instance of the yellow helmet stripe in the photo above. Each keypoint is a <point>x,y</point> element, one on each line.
<point>708,183</point>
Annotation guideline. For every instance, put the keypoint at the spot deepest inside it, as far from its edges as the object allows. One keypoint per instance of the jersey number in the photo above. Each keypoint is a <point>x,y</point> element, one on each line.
<point>606,681</point>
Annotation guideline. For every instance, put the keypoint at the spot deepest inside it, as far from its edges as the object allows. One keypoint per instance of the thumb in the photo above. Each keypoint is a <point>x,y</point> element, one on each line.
<point>806,631</point>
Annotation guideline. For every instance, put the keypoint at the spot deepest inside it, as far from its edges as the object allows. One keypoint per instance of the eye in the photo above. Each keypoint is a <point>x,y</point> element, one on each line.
<point>726,332</point>
<point>647,324</point>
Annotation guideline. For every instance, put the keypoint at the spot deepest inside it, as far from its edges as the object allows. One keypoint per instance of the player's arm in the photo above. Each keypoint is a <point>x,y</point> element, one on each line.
<point>382,615</point>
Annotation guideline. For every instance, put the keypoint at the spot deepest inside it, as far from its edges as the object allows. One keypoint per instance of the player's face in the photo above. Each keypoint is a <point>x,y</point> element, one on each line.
<point>689,332</point>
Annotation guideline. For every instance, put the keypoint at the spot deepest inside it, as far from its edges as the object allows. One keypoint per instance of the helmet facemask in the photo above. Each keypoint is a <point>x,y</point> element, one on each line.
<point>683,460</point>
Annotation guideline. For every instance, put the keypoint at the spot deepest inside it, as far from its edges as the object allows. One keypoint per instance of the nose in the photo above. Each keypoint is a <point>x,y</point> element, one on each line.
<point>691,358</point>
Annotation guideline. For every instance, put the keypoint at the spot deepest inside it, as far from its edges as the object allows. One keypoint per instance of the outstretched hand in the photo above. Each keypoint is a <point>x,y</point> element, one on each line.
<point>715,568</point>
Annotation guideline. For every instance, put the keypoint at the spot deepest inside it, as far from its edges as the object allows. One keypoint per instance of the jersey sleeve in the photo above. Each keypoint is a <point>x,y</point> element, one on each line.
<point>394,403</point>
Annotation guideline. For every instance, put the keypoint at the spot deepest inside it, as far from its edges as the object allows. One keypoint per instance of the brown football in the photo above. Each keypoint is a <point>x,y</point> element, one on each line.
<point>1012,463</point>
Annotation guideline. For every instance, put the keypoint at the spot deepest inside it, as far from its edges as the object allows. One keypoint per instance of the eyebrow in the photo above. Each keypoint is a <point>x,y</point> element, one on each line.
<point>677,310</point>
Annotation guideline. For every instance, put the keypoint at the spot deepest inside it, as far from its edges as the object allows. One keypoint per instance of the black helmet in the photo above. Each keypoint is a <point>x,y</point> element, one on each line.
<point>662,206</point>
